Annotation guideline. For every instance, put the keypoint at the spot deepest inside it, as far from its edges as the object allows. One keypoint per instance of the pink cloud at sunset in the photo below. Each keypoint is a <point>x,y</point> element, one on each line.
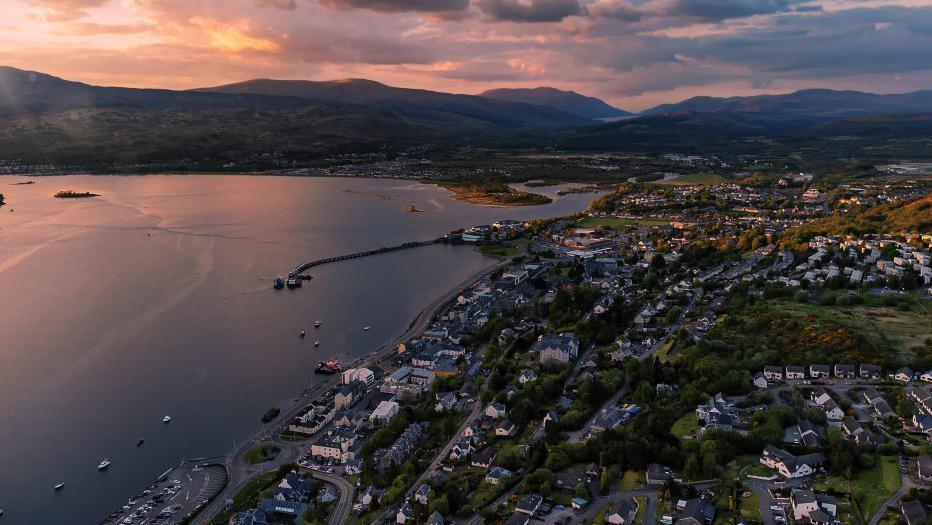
<point>632,53</point>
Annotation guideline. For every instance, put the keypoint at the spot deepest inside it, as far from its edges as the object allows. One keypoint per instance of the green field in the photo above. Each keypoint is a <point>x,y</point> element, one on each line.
<point>261,454</point>
<point>641,514</point>
<point>630,480</point>
<point>685,426</point>
<point>708,179</point>
<point>498,251</point>
<point>617,223</point>
<point>885,327</point>
<point>875,485</point>
<point>750,507</point>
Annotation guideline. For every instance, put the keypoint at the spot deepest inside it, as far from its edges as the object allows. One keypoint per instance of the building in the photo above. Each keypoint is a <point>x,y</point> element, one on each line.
<point>773,373</point>
<point>871,372</point>
<point>422,495</point>
<point>696,512</point>
<point>495,410</point>
<point>788,465</point>
<point>795,372</point>
<point>819,371</point>
<point>622,511</point>
<point>384,411</point>
<point>818,509</point>
<point>529,504</point>
<point>557,348</point>
<point>925,467</point>
<point>843,371</point>
<point>914,512</point>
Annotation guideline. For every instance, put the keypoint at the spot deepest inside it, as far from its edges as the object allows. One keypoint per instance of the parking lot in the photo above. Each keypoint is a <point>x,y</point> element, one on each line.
<point>175,495</point>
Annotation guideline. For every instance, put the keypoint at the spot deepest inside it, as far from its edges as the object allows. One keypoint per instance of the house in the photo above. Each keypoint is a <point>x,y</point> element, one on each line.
<point>904,375</point>
<point>833,412</point>
<point>819,371</point>
<point>348,395</point>
<point>657,474</point>
<point>795,372</point>
<point>435,519</point>
<point>557,348</point>
<point>569,478</point>
<point>773,373</point>
<point>402,448</point>
<point>422,495</point>
<point>529,504</point>
<point>844,371</point>
<point>924,467</point>
<point>505,428</point>
<point>923,423</point>
<point>578,503</point>
<point>717,412</point>
<point>818,509</point>
<point>759,381</point>
<point>788,465</point>
<point>337,445</point>
<point>804,434</point>
<point>820,396</point>
<point>496,475</point>
<point>527,375</point>
<point>621,511</point>
<point>484,458</point>
<point>871,372</point>
<point>697,512</point>
<point>495,410</point>
<point>472,430</point>
<point>461,449</point>
<point>551,417</point>
<point>370,495</point>
<point>384,411</point>
<point>926,376</point>
<point>914,512</point>
<point>405,514</point>
<point>446,402</point>
<point>608,418</point>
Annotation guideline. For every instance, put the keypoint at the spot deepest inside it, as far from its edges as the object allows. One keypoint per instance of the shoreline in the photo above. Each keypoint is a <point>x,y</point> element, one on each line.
<point>269,432</point>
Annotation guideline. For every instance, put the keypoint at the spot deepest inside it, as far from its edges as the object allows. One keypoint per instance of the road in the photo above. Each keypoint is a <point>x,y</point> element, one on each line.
<point>344,504</point>
<point>240,472</point>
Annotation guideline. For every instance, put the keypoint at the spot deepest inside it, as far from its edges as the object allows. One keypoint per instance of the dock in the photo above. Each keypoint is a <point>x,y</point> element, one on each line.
<point>384,249</point>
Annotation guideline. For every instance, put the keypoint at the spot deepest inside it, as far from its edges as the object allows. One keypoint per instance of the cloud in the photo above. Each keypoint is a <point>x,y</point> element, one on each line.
<point>288,5</point>
<point>530,10</point>
<point>398,6</point>
<point>713,10</point>
<point>63,10</point>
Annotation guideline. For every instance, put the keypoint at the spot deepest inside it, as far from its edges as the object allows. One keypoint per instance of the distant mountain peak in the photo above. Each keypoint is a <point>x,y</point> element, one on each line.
<point>566,101</point>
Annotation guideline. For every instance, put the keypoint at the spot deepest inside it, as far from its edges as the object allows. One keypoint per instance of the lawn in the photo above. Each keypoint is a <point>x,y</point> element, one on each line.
<point>248,496</point>
<point>708,179</point>
<point>750,507</point>
<point>261,454</point>
<point>885,327</point>
<point>617,223</point>
<point>641,514</point>
<point>495,250</point>
<point>685,426</point>
<point>875,485</point>
<point>630,480</point>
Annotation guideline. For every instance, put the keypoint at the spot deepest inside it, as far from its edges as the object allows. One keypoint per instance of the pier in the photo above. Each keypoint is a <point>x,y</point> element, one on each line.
<point>385,249</point>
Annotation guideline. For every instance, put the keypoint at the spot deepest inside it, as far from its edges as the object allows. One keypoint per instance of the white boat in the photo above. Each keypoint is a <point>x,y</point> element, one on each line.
<point>166,419</point>
<point>366,327</point>
<point>317,324</point>
<point>301,333</point>
<point>58,485</point>
<point>103,464</point>
<point>316,343</point>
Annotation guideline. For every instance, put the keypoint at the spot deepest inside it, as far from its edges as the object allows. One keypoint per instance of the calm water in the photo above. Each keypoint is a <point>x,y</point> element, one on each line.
<point>156,298</point>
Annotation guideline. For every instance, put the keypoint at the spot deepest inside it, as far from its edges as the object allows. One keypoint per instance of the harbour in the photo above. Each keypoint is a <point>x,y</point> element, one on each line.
<point>205,244</point>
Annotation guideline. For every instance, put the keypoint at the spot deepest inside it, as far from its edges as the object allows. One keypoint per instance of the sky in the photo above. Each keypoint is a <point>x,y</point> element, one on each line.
<point>632,53</point>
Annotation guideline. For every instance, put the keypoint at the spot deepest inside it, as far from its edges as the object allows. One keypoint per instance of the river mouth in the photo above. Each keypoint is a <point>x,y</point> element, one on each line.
<point>156,298</point>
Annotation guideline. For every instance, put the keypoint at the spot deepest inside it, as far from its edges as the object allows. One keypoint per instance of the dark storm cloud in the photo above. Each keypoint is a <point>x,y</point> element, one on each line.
<point>714,10</point>
<point>529,10</point>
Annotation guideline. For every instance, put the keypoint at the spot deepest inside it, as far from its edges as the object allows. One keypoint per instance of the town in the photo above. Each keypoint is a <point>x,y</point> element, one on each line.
<point>692,354</point>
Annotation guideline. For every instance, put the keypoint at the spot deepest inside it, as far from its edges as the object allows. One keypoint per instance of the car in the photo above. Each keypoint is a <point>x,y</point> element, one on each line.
<point>775,507</point>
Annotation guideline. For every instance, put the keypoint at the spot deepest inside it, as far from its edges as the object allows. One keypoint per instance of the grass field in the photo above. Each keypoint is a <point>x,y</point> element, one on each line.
<point>708,179</point>
<point>630,480</point>
<point>685,426</point>
<point>641,514</point>
<point>886,327</point>
<point>499,251</point>
<point>261,454</point>
<point>750,507</point>
<point>874,485</point>
<point>617,223</point>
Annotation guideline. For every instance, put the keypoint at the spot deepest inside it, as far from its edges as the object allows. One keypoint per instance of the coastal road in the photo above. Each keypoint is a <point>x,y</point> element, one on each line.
<point>240,472</point>
<point>344,504</point>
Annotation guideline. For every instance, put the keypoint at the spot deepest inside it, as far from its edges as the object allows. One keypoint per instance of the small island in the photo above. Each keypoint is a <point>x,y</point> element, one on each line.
<point>71,194</point>
<point>494,194</point>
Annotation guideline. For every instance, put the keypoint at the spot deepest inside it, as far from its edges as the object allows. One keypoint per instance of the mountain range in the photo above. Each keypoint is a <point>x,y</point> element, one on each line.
<point>48,119</point>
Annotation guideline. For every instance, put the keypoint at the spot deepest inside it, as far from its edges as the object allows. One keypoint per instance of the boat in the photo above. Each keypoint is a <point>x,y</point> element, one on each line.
<point>316,343</point>
<point>366,328</point>
<point>301,333</point>
<point>317,324</point>
<point>166,419</point>
<point>103,464</point>
<point>59,485</point>
<point>330,367</point>
<point>292,282</point>
<point>140,442</point>
<point>279,282</point>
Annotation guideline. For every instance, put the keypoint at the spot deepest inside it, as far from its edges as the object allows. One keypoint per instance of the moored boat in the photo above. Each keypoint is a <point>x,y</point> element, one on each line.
<point>103,464</point>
